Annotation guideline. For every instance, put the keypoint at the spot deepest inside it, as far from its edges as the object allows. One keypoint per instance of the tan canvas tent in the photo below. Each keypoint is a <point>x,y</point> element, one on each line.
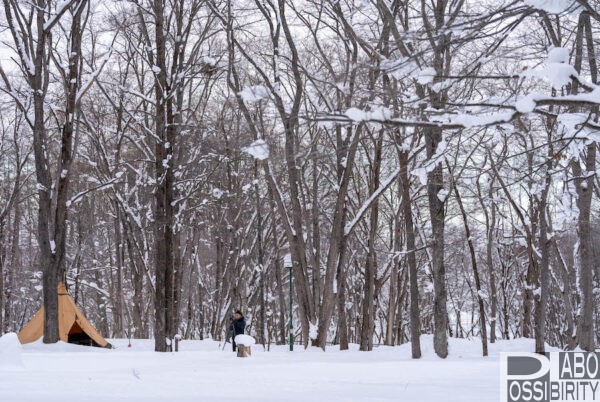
<point>73,327</point>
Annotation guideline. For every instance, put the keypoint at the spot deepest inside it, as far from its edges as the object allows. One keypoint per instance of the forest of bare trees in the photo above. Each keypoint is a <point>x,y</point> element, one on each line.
<point>430,167</point>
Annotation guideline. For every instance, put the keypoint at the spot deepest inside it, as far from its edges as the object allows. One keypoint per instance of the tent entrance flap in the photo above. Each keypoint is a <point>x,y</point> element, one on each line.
<point>79,337</point>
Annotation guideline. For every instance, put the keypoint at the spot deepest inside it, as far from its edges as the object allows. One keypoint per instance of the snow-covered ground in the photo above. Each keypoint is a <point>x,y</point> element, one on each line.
<point>201,371</point>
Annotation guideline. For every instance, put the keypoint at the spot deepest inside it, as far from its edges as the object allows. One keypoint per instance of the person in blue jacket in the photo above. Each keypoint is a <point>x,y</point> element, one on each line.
<point>237,327</point>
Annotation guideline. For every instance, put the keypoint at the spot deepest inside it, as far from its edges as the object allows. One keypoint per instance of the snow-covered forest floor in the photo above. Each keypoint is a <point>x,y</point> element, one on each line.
<point>201,371</point>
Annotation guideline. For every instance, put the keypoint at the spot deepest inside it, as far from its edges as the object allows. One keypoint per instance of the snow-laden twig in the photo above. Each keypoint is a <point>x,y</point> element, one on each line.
<point>61,8</point>
<point>81,194</point>
<point>386,183</point>
<point>92,77</point>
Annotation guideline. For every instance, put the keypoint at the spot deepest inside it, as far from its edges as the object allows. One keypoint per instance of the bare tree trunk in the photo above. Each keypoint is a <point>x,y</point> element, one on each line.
<point>120,255</point>
<point>532,276</point>
<point>490,225</point>
<point>566,293</point>
<point>316,234</point>
<point>44,179</point>
<point>368,310</point>
<point>137,279</point>
<point>179,256</point>
<point>435,182</point>
<point>482,322</point>
<point>260,263</point>
<point>542,296</point>
<point>163,209</point>
<point>278,277</point>
<point>341,308</point>
<point>584,184</point>
<point>101,303</point>
<point>56,267</point>
<point>415,321</point>
<point>393,288</point>
<point>530,282</point>
<point>2,260</point>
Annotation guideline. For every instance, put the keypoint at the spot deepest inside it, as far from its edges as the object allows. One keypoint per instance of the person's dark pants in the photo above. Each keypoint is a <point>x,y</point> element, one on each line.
<point>233,345</point>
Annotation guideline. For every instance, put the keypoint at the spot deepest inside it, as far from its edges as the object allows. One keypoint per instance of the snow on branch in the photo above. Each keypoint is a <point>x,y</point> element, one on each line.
<point>448,121</point>
<point>254,93</point>
<point>258,149</point>
<point>551,6</point>
<point>91,285</point>
<point>61,8</point>
<point>386,183</point>
<point>523,106</point>
<point>92,77</point>
<point>77,197</point>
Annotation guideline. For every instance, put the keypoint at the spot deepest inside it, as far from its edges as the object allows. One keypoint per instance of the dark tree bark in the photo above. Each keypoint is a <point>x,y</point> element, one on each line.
<point>490,225</point>
<point>368,305</point>
<point>12,204</point>
<point>415,320</point>
<point>34,52</point>
<point>542,296</point>
<point>163,194</point>
<point>584,184</point>
<point>482,321</point>
<point>341,309</point>
<point>435,182</point>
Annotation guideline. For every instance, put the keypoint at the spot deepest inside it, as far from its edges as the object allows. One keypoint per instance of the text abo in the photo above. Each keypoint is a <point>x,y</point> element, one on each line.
<point>556,376</point>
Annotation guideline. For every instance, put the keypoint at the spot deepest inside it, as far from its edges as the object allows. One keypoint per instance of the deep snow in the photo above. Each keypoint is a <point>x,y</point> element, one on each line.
<point>10,354</point>
<point>201,371</point>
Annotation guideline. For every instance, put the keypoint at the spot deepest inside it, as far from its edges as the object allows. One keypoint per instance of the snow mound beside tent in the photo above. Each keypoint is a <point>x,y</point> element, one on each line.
<point>245,340</point>
<point>10,353</point>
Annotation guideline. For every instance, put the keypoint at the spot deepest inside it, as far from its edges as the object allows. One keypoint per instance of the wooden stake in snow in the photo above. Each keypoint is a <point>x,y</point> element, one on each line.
<point>244,351</point>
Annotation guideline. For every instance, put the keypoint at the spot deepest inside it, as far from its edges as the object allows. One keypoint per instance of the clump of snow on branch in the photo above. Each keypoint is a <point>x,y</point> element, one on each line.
<point>217,193</point>
<point>254,93</point>
<point>470,120</point>
<point>209,61</point>
<point>558,55</point>
<point>376,114</point>
<point>356,114</point>
<point>550,6</point>
<point>258,149</point>
<point>558,70</point>
<point>400,68</point>
<point>383,186</point>
<point>421,173</point>
<point>526,104</point>
<point>573,124</point>
<point>425,76</point>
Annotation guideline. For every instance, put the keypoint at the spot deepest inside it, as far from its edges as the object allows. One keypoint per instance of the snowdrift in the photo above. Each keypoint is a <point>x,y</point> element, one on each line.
<point>10,353</point>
